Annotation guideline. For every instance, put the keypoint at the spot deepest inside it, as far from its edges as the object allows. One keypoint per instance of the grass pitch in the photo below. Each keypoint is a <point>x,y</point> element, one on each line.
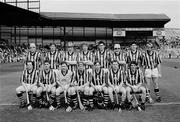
<point>167,111</point>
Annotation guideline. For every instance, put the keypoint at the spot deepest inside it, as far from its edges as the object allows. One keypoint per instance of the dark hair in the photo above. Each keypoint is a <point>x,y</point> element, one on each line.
<point>114,61</point>
<point>96,62</point>
<point>52,44</point>
<point>63,62</point>
<point>46,61</point>
<point>80,62</point>
<point>30,62</point>
<point>133,62</point>
<point>101,42</point>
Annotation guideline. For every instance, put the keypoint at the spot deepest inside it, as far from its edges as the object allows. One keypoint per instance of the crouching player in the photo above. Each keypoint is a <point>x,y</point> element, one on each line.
<point>64,79</point>
<point>46,86</point>
<point>83,87</point>
<point>116,85</point>
<point>99,84</point>
<point>134,86</point>
<point>29,85</point>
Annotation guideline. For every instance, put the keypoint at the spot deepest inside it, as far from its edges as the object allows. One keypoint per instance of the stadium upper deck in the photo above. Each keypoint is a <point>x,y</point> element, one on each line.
<point>23,26</point>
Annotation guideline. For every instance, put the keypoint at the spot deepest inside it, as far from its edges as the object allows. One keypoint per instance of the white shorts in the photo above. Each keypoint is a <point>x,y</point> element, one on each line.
<point>149,73</point>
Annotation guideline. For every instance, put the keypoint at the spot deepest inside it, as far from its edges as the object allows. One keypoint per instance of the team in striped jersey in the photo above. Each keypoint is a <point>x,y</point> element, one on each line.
<point>104,78</point>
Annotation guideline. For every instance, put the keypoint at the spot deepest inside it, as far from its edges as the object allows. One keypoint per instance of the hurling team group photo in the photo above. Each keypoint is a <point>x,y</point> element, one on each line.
<point>90,79</point>
<point>89,60</point>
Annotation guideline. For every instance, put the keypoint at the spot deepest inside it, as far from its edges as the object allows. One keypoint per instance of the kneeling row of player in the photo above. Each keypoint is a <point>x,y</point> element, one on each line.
<point>83,88</point>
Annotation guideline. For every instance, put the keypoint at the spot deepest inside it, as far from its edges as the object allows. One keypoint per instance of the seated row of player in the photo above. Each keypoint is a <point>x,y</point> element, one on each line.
<point>150,69</point>
<point>86,89</point>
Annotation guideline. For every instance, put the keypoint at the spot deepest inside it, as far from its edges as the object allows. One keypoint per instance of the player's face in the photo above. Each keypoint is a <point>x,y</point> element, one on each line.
<point>97,66</point>
<point>46,66</point>
<point>133,47</point>
<point>133,67</point>
<point>64,67</point>
<point>70,49</point>
<point>149,48</point>
<point>81,67</point>
<point>101,47</point>
<point>116,50</point>
<point>115,65</point>
<point>85,47</point>
<point>53,48</point>
<point>32,48</point>
<point>29,66</point>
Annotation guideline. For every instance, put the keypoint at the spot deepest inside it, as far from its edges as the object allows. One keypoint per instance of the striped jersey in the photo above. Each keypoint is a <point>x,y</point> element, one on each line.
<point>103,58</point>
<point>35,58</point>
<point>151,60</point>
<point>116,77</point>
<point>98,77</point>
<point>134,78</point>
<point>80,77</point>
<point>64,79</point>
<point>85,56</point>
<point>47,77</point>
<point>53,57</point>
<point>118,57</point>
<point>134,56</point>
<point>71,57</point>
<point>29,77</point>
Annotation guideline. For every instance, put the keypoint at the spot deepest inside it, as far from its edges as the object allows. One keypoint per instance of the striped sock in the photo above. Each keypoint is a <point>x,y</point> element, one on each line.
<point>33,99</point>
<point>21,99</point>
<point>85,99</point>
<point>106,99</point>
<point>40,101</point>
<point>58,100</point>
<point>157,92</point>
<point>74,99</point>
<point>69,101</point>
<point>91,102</point>
<point>51,99</point>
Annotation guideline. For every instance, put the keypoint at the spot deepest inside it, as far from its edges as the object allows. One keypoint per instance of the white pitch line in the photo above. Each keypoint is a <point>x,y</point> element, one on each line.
<point>161,104</point>
<point>154,104</point>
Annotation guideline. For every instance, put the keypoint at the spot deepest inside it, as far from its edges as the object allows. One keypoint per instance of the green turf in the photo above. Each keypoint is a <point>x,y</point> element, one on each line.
<point>169,89</point>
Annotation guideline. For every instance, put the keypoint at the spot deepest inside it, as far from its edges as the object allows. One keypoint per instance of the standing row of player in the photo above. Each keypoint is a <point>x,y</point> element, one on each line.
<point>83,74</point>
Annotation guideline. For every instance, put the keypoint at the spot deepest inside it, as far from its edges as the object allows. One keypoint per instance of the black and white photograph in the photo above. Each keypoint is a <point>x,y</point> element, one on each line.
<point>89,60</point>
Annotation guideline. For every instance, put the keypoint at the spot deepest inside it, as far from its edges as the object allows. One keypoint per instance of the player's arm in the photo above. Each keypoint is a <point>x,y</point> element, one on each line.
<point>158,60</point>
<point>106,78</point>
<point>127,83</point>
<point>53,79</point>
<point>40,80</point>
<point>36,79</point>
<point>23,80</point>
<point>110,81</point>
<point>121,79</point>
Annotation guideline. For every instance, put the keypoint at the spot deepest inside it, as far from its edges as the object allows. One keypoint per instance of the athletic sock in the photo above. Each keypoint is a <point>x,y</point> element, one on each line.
<point>85,99</point>
<point>91,102</point>
<point>51,99</point>
<point>74,99</point>
<point>58,100</point>
<point>21,99</point>
<point>106,99</point>
<point>33,99</point>
<point>157,92</point>
<point>40,101</point>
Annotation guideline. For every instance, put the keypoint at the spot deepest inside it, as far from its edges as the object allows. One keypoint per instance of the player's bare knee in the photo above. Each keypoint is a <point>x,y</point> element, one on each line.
<point>128,90</point>
<point>143,90</point>
<point>59,91</point>
<point>71,91</point>
<point>105,90</point>
<point>91,91</point>
<point>110,90</point>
